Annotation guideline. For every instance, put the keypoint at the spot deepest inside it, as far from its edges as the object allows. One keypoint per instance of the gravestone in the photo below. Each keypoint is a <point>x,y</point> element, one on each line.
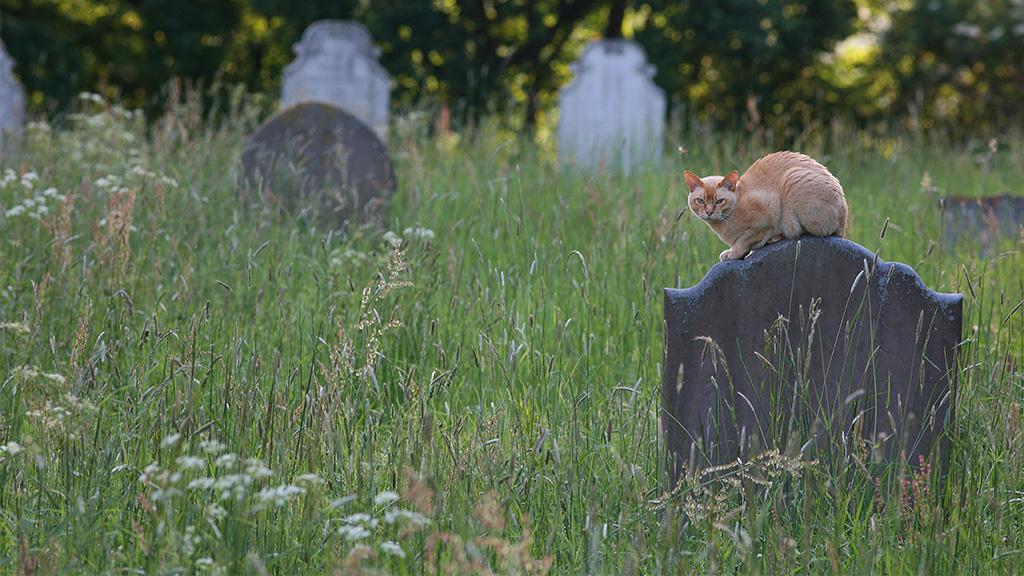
<point>12,99</point>
<point>612,114</point>
<point>336,62</point>
<point>315,157</point>
<point>811,345</point>
<point>983,221</point>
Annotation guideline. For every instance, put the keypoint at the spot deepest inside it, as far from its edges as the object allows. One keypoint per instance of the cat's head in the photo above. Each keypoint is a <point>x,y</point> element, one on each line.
<point>714,197</point>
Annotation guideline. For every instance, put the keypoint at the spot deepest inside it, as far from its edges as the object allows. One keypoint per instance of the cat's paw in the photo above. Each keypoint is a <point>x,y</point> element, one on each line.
<point>732,254</point>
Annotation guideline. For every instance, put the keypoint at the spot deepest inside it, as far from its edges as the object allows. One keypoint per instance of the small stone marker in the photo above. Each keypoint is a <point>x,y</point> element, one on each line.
<point>612,114</point>
<point>12,98</point>
<point>873,374</point>
<point>982,220</point>
<point>314,156</point>
<point>336,62</point>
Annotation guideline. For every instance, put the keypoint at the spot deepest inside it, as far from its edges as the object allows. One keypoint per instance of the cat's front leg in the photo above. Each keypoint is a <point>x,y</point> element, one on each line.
<point>732,254</point>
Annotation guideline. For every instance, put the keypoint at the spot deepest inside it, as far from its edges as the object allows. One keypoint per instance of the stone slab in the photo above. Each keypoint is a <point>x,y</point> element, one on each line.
<point>612,114</point>
<point>983,222</point>
<point>315,157</point>
<point>877,363</point>
<point>12,98</point>
<point>337,63</point>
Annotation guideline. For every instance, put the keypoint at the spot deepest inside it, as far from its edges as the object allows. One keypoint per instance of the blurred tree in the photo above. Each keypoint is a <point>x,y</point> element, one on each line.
<point>957,62</point>
<point>737,59</point>
<point>752,62</point>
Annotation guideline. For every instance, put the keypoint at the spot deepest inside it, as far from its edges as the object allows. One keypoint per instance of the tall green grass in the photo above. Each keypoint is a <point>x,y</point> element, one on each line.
<point>195,382</point>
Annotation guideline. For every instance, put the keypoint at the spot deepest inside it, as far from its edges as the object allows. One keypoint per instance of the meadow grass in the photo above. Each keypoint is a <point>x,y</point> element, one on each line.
<point>195,382</point>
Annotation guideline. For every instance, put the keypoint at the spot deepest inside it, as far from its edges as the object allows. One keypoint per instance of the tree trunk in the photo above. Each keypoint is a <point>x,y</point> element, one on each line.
<point>616,14</point>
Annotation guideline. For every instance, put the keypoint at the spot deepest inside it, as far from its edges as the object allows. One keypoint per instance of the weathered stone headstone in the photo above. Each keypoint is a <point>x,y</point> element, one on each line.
<point>810,345</point>
<point>12,98</point>
<point>336,62</point>
<point>984,221</point>
<point>612,114</point>
<point>314,156</point>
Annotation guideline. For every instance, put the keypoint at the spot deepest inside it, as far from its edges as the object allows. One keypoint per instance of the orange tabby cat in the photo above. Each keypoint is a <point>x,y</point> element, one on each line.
<point>783,195</point>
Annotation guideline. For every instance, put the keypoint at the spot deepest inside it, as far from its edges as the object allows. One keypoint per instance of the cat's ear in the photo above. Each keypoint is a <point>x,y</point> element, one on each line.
<point>729,182</point>
<point>692,180</point>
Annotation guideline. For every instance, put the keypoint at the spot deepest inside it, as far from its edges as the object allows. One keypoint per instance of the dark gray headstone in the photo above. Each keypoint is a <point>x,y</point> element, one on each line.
<point>982,221</point>
<point>746,367</point>
<point>314,156</point>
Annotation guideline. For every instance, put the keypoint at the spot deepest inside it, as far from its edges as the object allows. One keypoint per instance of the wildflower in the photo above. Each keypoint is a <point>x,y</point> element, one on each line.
<point>211,446</point>
<point>216,511</point>
<point>190,462</point>
<point>15,327</point>
<point>386,498</point>
<point>203,483</point>
<point>392,516</point>
<point>16,211</point>
<point>226,460</point>
<point>310,479</point>
<point>353,532</point>
<point>255,468</point>
<point>12,448</point>
<point>279,495</point>
<point>392,548</point>
<point>392,239</point>
<point>340,502</point>
<point>170,440</point>
<point>418,233</point>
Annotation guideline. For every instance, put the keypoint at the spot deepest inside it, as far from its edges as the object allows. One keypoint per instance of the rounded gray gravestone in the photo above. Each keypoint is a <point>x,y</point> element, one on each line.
<point>315,157</point>
<point>811,345</point>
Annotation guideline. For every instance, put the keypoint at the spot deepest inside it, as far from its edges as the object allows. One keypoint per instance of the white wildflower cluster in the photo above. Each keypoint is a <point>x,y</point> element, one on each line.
<point>413,234</point>
<point>358,527</point>
<point>26,373</point>
<point>14,327</point>
<point>31,199</point>
<point>225,476</point>
<point>103,143</point>
<point>221,485</point>
<point>392,239</point>
<point>340,258</point>
<point>418,233</point>
<point>64,415</point>
<point>10,450</point>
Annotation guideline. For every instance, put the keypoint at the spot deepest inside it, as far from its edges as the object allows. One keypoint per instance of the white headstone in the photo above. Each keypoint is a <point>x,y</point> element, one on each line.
<point>12,97</point>
<point>336,62</point>
<point>612,113</point>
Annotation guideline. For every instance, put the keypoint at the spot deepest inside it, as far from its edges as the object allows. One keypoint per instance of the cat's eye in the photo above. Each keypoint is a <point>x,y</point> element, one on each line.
<point>700,201</point>
<point>720,201</point>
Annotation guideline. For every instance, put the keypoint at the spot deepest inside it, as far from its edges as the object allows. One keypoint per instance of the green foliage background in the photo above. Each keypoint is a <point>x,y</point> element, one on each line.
<point>770,63</point>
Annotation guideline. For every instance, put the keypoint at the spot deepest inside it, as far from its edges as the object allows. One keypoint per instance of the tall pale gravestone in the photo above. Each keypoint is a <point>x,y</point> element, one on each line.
<point>814,347</point>
<point>612,114</point>
<point>337,63</point>
<point>12,98</point>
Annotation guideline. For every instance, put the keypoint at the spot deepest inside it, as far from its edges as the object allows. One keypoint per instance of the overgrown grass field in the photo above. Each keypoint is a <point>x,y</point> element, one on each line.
<point>194,382</point>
